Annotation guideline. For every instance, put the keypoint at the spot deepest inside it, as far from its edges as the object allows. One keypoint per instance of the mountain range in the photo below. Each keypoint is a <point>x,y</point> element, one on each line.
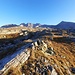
<point>61,25</point>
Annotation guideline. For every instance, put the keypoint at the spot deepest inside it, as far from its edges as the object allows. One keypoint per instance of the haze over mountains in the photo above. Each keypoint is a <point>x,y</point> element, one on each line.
<point>61,25</point>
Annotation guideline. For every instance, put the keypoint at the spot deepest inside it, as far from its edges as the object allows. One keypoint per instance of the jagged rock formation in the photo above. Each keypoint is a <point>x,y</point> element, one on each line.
<point>40,45</point>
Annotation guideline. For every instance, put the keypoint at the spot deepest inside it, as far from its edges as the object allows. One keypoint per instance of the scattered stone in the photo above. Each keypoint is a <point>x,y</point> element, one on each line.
<point>73,70</point>
<point>50,67</point>
<point>23,74</point>
<point>50,51</point>
<point>54,72</point>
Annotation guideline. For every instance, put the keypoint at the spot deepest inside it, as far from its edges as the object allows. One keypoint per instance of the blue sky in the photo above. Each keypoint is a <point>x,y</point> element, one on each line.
<point>36,11</point>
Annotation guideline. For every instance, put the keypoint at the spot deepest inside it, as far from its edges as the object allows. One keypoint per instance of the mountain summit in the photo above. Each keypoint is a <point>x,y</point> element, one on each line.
<point>66,25</point>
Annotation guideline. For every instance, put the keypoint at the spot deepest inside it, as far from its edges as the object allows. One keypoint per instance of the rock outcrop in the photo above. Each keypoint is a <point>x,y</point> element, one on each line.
<point>18,60</point>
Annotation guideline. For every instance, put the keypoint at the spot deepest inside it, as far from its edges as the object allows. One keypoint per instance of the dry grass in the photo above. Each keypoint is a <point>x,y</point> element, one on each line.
<point>14,71</point>
<point>62,61</point>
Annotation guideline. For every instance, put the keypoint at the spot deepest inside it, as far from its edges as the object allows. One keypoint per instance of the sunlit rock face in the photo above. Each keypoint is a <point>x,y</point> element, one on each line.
<point>40,45</point>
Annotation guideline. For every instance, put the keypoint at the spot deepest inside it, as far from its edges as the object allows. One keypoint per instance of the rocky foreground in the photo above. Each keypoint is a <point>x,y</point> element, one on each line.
<point>48,58</point>
<point>51,51</point>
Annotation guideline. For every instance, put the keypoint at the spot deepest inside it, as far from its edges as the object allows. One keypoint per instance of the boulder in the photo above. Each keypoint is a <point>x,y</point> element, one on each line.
<point>73,70</point>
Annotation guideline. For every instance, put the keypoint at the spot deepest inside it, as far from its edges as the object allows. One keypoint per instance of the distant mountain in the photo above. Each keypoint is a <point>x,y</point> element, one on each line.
<point>36,25</point>
<point>23,24</point>
<point>61,25</point>
<point>66,25</point>
<point>30,24</point>
<point>47,26</point>
<point>9,25</point>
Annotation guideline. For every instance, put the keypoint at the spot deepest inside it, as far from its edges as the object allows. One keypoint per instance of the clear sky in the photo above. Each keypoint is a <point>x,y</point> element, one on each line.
<point>36,11</point>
